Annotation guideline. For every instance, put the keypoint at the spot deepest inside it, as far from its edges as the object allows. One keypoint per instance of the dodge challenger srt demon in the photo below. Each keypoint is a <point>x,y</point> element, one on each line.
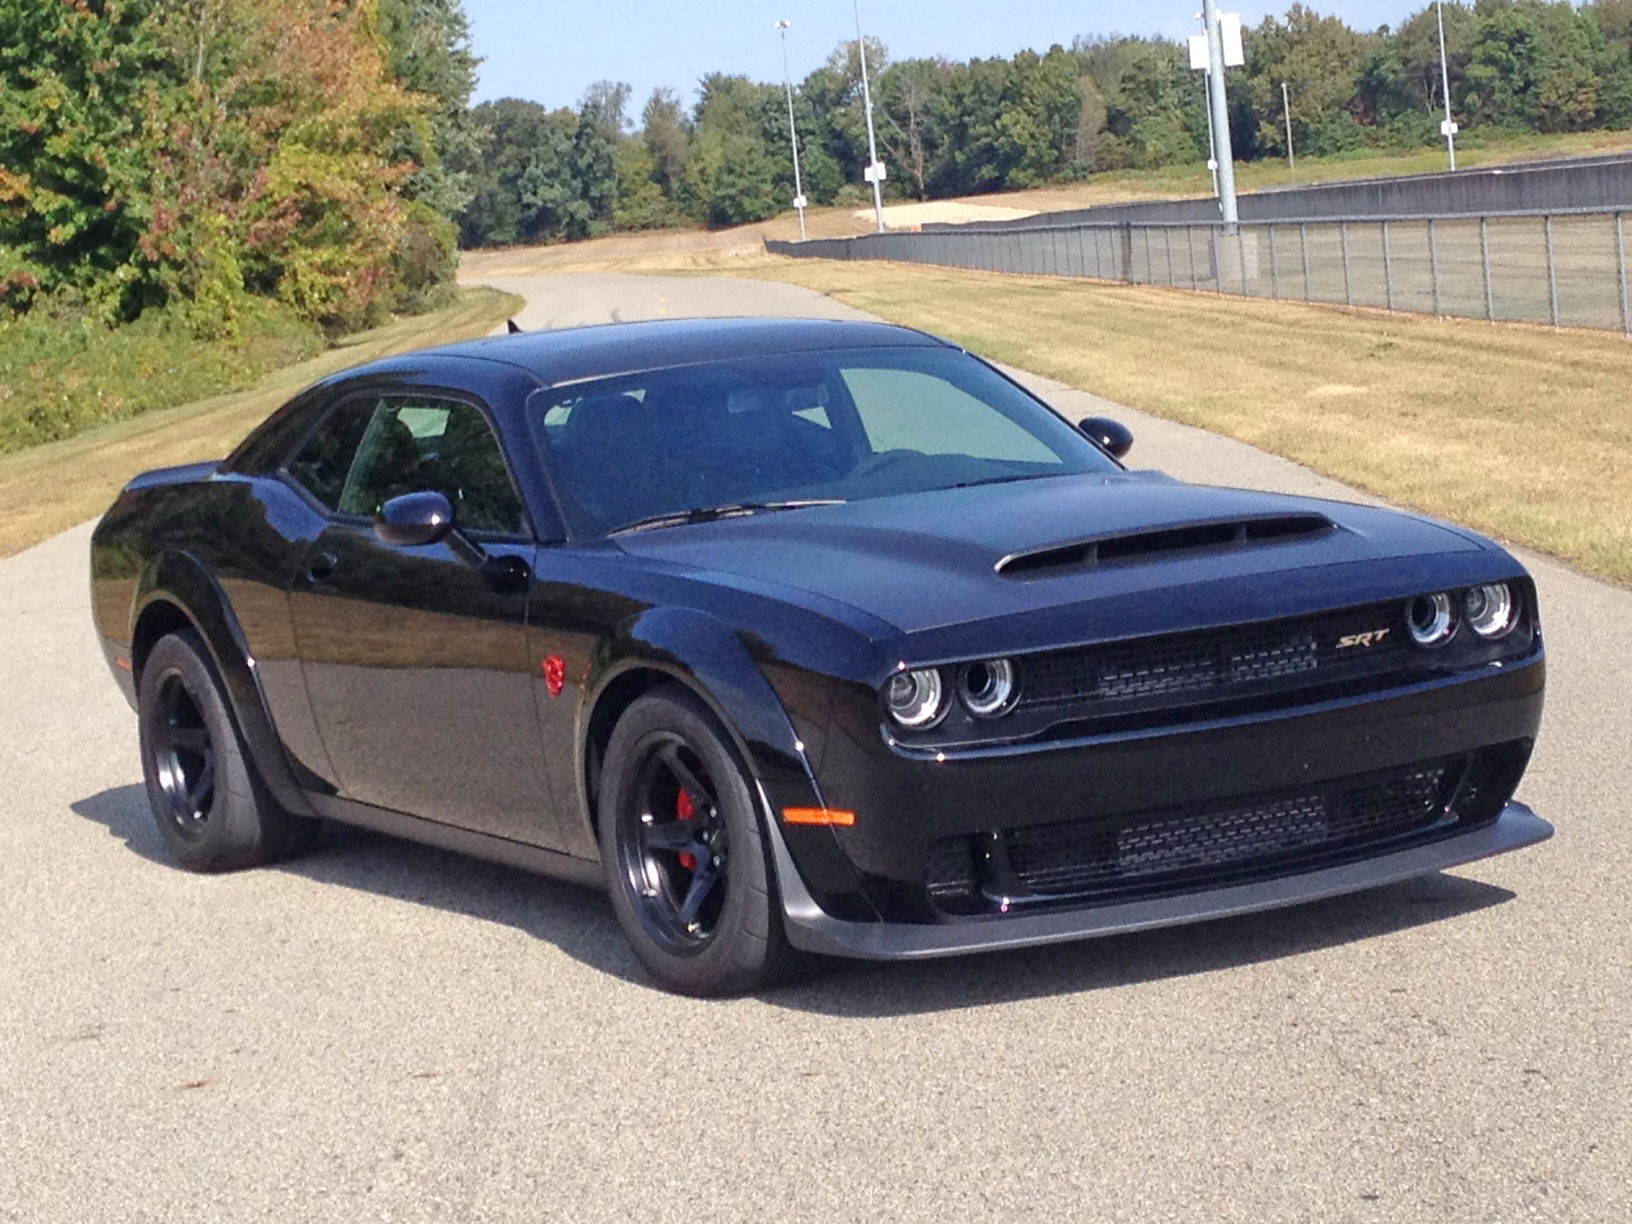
<point>805,635</point>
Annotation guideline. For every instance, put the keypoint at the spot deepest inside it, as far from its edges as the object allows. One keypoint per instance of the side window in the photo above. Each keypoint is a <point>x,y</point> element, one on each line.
<point>324,462</point>
<point>411,445</point>
<point>912,410</point>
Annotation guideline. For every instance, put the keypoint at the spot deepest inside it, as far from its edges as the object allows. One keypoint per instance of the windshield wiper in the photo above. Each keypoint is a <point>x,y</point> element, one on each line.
<point>710,514</point>
<point>969,484</point>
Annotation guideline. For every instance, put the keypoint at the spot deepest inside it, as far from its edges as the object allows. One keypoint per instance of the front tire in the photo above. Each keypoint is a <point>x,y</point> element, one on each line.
<point>212,808</point>
<point>683,852</point>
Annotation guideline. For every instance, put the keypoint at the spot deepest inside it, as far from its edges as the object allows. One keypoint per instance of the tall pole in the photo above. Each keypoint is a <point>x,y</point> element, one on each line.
<point>1212,145</point>
<point>875,172</point>
<point>793,132</point>
<point>1449,126</point>
<point>1221,116</point>
<point>1286,110</point>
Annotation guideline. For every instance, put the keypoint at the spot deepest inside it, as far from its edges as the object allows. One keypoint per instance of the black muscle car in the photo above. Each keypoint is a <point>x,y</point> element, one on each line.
<point>805,635</point>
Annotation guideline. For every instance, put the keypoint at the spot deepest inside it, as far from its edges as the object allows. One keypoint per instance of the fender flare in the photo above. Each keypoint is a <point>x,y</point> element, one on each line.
<point>711,661</point>
<point>184,582</point>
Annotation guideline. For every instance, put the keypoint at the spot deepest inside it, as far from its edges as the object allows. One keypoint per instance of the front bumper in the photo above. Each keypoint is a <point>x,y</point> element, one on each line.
<point>812,929</point>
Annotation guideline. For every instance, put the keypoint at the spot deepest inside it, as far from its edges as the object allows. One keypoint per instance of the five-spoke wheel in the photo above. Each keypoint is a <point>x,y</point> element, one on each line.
<point>683,850</point>
<point>212,808</point>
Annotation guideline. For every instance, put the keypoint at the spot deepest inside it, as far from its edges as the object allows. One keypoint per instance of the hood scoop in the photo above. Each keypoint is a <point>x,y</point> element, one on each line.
<point>1190,539</point>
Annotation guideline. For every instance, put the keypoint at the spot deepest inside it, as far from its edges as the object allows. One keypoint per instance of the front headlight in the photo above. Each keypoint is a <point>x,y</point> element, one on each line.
<point>1491,610</point>
<point>1431,619</point>
<point>916,699</point>
<point>987,688</point>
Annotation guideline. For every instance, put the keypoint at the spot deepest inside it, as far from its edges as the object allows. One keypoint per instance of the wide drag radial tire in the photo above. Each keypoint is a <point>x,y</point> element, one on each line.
<point>683,851</point>
<point>212,808</point>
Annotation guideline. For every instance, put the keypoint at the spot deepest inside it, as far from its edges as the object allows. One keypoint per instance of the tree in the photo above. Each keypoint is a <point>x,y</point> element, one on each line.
<point>732,171</point>
<point>907,94</point>
<point>667,138</point>
<point>73,176</point>
<point>427,51</point>
<point>1321,60</point>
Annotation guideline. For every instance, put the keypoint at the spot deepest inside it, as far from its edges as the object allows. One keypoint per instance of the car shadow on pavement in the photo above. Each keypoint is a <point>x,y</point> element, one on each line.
<point>580,923</point>
<point>577,920</point>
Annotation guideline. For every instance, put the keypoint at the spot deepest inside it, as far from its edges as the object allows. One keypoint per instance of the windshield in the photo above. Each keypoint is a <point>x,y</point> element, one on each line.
<point>811,427</point>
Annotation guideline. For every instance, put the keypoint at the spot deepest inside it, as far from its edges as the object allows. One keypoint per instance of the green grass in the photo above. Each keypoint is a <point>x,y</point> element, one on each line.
<point>51,487</point>
<point>60,374</point>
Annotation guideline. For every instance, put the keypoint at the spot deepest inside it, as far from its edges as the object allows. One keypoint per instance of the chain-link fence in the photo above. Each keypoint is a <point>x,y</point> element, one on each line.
<point>1564,268</point>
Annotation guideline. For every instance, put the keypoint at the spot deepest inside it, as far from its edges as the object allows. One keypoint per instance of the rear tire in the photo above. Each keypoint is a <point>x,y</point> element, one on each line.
<point>212,808</point>
<point>683,852</point>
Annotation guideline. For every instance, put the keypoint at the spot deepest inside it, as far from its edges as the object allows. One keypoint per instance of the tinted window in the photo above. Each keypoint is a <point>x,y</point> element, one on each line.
<point>325,460</point>
<point>919,411</point>
<point>414,445</point>
<point>371,451</point>
<point>842,425</point>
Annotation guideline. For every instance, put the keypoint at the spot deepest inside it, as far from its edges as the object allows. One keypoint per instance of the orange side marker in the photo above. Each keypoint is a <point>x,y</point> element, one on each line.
<point>123,664</point>
<point>818,816</point>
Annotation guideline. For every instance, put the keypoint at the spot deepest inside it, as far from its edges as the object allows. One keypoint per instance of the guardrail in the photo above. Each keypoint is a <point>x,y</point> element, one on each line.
<point>1566,267</point>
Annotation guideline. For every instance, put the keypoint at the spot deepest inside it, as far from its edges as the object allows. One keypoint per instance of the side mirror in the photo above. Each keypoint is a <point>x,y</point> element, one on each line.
<point>413,519</point>
<point>1114,436</point>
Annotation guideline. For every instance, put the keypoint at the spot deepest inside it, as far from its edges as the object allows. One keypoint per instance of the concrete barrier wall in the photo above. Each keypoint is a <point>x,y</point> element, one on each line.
<point>1547,186</point>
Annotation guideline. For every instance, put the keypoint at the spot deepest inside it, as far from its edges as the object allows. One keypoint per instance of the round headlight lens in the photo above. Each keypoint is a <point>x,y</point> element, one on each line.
<point>915,699</point>
<point>1430,619</point>
<point>1491,610</point>
<point>987,688</point>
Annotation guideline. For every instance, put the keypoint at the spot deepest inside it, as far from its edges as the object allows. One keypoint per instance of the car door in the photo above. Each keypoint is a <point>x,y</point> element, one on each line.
<point>416,659</point>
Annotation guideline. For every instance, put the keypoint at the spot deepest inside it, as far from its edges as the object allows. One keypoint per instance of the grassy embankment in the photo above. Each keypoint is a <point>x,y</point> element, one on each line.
<point>51,487</point>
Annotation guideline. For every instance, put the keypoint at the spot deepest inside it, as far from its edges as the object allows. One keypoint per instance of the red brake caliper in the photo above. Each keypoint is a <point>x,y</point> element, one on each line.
<point>683,811</point>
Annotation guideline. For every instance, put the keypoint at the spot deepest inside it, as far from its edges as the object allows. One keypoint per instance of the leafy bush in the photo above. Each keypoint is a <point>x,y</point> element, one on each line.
<point>62,372</point>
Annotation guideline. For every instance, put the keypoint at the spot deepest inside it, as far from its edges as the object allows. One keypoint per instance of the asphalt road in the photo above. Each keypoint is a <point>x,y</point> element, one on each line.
<point>381,1031</point>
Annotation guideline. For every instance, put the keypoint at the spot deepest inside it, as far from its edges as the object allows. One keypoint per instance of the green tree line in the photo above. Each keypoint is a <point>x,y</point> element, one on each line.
<point>218,156</point>
<point>950,128</point>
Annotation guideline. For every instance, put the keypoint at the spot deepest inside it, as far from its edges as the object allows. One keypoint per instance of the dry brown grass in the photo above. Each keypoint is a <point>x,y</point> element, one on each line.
<point>1520,432</point>
<point>52,487</point>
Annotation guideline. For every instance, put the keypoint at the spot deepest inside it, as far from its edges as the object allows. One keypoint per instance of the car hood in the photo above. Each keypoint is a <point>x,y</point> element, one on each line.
<point>958,556</point>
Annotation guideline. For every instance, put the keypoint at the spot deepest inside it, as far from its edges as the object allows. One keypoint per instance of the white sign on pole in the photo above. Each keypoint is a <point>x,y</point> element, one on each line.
<point>799,201</point>
<point>875,173</point>
<point>1447,128</point>
<point>1198,52</point>
<point>1229,25</point>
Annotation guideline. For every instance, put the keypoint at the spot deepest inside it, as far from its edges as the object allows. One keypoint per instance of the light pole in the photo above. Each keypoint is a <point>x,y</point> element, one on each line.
<point>793,132</point>
<point>875,169</point>
<point>1448,128</point>
<point>1221,116</point>
<point>1286,111</point>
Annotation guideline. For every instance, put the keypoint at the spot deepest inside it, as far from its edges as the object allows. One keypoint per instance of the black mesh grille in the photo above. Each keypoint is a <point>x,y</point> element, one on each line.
<point>1079,857</point>
<point>1173,669</point>
<point>1157,849</point>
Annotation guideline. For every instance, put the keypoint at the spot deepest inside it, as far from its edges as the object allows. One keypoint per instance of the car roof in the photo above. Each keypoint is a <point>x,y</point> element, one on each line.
<point>576,353</point>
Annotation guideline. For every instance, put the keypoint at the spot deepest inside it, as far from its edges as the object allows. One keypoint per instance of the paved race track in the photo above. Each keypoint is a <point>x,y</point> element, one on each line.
<point>381,1031</point>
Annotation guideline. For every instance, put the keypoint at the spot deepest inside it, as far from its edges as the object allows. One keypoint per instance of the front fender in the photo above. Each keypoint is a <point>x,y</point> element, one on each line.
<point>713,661</point>
<point>183,581</point>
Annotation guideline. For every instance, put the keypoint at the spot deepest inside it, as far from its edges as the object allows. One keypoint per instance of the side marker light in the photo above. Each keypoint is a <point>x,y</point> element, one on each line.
<point>818,816</point>
<point>555,674</point>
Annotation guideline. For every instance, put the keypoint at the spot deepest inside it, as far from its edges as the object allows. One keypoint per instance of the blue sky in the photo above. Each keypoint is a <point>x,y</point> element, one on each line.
<point>552,52</point>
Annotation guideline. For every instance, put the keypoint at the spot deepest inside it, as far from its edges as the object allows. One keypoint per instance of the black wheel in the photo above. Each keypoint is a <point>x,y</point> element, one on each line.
<point>683,852</point>
<point>211,806</point>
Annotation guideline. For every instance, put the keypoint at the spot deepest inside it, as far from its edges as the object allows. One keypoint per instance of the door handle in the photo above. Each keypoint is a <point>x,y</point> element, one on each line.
<point>321,567</point>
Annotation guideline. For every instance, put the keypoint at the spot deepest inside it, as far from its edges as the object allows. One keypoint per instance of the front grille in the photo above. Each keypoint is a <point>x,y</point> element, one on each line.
<point>1218,664</point>
<point>1221,842</point>
<point>1077,857</point>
